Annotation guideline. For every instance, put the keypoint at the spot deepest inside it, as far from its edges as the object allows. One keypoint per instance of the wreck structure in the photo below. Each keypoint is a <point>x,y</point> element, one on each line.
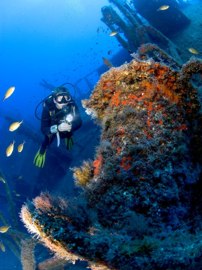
<point>140,205</point>
<point>136,24</point>
<point>170,22</point>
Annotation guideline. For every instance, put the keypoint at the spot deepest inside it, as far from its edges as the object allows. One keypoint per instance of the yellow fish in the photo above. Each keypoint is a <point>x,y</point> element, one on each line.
<point>20,147</point>
<point>4,229</point>
<point>2,247</point>
<point>113,33</point>
<point>164,7</point>
<point>15,125</point>
<point>107,62</point>
<point>2,180</point>
<point>192,50</point>
<point>9,92</point>
<point>9,149</point>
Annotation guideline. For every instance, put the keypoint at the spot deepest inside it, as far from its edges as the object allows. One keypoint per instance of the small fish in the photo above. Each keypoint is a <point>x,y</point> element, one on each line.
<point>9,149</point>
<point>9,92</point>
<point>113,33</point>
<point>194,51</point>
<point>4,229</point>
<point>98,30</point>
<point>164,7</point>
<point>107,62</point>
<point>2,247</point>
<point>20,147</point>
<point>15,125</point>
<point>2,180</point>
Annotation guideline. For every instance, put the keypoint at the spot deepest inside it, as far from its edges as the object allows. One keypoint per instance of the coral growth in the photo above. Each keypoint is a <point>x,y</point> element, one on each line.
<point>140,208</point>
<point>83,175</point>
<point>150,50</point>
<point>27,254</point>
<point>53,263</point>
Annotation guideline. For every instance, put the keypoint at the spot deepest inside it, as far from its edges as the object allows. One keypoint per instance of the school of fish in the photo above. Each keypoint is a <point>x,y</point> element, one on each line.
<point>13,127</point>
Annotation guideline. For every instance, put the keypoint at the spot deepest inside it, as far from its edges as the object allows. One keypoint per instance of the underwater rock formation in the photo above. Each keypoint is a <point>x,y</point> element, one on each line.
<point>140,205</point>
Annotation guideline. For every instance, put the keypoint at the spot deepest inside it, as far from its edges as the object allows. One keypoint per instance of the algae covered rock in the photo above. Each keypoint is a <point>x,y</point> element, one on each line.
<point>140,202</point>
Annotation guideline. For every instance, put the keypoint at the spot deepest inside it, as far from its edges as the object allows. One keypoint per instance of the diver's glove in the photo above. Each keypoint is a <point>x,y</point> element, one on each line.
<point>39,159</point>
<point>65,127</point>
<point>69,143</point>
<point>54,129</point>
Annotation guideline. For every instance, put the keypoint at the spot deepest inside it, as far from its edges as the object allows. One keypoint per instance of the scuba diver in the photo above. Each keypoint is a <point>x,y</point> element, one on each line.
<point>60,118</point>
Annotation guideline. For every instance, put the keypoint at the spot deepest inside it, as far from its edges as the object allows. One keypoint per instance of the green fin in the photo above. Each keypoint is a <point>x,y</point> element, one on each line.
<point>69,143</point>
<point>39,159</point>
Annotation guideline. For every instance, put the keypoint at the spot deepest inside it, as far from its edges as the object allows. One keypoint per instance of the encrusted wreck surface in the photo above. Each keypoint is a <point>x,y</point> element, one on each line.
<point>140,207</point>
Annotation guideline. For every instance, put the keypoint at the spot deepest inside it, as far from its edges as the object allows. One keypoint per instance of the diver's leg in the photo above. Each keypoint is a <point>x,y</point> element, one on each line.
<point>46,142</point>
<point>68,140</point>
<point>40,157</point>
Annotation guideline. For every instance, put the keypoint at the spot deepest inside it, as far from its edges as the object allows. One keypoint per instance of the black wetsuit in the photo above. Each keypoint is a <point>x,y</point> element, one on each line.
<point>53,116</point>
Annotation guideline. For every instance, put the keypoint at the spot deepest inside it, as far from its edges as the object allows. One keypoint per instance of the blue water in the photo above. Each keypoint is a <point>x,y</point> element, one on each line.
<point>59,41</point>
<point>56,41</point>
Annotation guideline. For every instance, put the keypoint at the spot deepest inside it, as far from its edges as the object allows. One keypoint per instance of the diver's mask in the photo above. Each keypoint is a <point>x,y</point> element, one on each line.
<point>62,99</point>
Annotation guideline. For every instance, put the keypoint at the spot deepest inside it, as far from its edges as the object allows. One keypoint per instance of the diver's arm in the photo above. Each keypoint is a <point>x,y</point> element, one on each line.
<point>77,122</point>
<point>45,121</point>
